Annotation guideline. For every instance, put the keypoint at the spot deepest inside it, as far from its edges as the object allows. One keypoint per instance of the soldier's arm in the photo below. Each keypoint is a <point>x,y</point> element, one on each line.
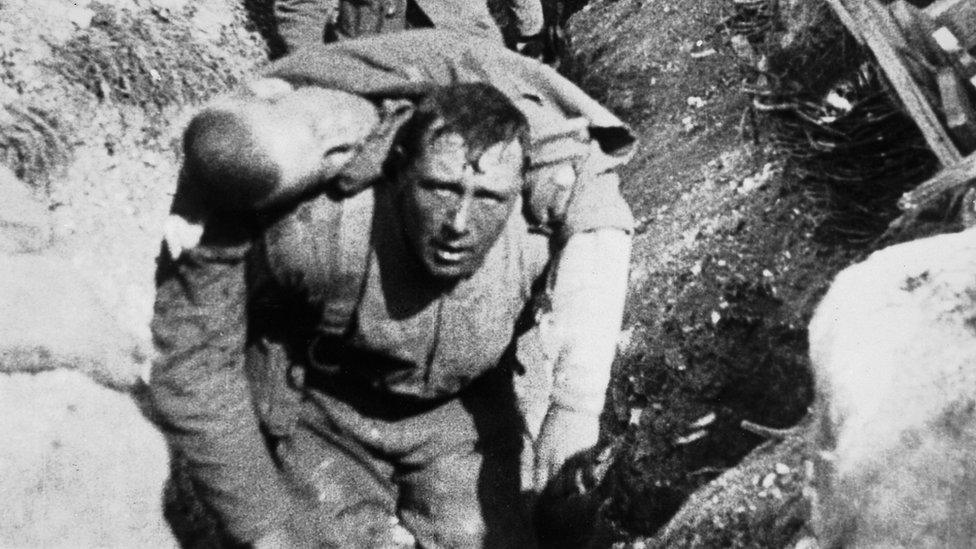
<point>200,392</point>
<point>588,288</point>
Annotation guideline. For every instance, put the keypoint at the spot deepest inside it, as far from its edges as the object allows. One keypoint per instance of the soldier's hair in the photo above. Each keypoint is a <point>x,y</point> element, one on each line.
<point>222,152</point>
<point>478,112</point>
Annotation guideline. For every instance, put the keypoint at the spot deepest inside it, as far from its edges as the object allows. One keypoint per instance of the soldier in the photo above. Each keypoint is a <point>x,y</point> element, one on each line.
<point>336,350</point>
<point>306,22</point>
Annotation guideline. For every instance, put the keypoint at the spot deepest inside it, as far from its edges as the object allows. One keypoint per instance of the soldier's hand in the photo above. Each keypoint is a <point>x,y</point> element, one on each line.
<point>564,434</point>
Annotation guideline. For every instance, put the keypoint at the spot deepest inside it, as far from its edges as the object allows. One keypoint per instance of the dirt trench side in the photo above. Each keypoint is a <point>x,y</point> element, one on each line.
<point>727,268</point>
<point>93,96</point>
<point>92,99</point>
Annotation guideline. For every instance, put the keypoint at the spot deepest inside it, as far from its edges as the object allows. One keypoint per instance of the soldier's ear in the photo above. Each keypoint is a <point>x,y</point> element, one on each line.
<point>399,153</point>
<point>336,158</point>
<point>396,165</point>
<point>397,159</point>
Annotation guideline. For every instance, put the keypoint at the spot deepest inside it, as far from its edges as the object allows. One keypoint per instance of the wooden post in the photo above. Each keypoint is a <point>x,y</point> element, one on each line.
<point>959,16</point>
<point>951,177</point>
<point>959,115</point>
<point>869,22</point>
<point>918,28</point>
<point>958,57</point>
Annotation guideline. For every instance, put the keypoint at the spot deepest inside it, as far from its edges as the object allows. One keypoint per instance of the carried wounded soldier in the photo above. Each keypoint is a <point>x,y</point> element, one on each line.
<point>391,227</point>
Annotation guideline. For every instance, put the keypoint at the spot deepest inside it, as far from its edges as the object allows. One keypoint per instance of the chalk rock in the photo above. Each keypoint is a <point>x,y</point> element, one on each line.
<point>80,466</point>
<point>51,318</point>
<point>893,347</point>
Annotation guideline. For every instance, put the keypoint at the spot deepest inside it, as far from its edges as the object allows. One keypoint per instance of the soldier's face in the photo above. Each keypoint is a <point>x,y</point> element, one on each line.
<point>455,209</point>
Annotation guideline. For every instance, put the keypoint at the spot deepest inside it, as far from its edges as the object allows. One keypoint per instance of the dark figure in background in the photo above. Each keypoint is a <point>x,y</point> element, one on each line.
<point>304,22</point>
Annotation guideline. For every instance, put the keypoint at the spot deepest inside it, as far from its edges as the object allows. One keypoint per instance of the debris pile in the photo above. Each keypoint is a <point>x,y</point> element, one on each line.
<point>826,106</point>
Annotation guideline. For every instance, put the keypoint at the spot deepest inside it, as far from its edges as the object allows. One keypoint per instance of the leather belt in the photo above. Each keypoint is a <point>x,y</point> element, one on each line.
<point>361,378</point>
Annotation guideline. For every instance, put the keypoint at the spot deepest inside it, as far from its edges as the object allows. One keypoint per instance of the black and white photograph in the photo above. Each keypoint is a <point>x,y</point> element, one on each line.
<point>487,274</point>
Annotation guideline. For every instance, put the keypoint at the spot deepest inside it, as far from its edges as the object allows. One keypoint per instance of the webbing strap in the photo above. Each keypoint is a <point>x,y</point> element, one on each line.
<point>349,254</point>
<point>321,251</point>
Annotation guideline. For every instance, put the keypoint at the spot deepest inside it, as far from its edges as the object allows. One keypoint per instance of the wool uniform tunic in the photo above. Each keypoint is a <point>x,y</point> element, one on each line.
<point>429,343</point>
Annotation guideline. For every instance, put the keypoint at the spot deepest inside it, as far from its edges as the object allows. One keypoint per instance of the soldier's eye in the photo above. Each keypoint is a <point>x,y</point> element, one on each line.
<point>440,188</point>
<point>489,196</point>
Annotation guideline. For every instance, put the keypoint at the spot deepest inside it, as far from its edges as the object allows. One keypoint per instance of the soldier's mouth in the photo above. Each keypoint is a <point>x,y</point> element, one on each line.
<point>448,253</point>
